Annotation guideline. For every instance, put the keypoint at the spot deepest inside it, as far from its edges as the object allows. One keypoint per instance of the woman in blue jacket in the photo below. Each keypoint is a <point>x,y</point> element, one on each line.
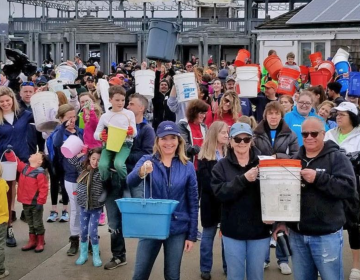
<point>14,124</point>
<point>67,116</point>
<point>173,177</point>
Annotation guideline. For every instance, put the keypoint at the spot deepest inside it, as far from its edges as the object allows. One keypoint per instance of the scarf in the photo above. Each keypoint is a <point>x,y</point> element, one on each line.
<point>86,179</point>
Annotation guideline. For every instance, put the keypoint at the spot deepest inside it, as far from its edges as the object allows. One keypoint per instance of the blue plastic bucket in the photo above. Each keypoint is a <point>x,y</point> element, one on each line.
<point>146,218</point>
<point>345,85</point>
<point>342,67</point>
<point>354,84</point>
<point>162,40</point>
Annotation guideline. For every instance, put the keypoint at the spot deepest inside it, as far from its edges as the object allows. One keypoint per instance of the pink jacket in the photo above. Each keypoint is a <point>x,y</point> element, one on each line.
<point>89,130</point>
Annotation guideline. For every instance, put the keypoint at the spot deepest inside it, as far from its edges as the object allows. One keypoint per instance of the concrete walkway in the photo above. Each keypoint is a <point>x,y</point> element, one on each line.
<point>54,264</point>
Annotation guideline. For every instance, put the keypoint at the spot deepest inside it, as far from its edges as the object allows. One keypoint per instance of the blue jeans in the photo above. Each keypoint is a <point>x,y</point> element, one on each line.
<point>206,249</point>
<point>245,256</point>
<point>89,221</point>
<point>147,251</point>
<point>311,254</point>
<point>281,258</point>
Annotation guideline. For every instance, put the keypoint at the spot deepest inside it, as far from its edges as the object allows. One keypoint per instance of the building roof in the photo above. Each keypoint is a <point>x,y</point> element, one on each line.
<point>280,21</point>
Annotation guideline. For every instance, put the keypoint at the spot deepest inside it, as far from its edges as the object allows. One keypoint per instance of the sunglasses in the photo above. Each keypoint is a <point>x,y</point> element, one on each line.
<point>313,134</point>
<point>24,84</point>
<point>246,140</point>
<point>227,101</point>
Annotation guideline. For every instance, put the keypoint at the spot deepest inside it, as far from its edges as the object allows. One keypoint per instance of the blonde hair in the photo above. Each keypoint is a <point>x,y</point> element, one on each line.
<point>235,108</point>
<point>15,107</point>
<point>180,151</point>
<point>208,149</point>
<point>326,102</point>
<point>248,120</point>
<point>63,109</point>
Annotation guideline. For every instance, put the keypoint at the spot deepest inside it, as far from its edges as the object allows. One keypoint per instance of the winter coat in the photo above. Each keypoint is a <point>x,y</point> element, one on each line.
<point>181,186</point>
<point>143,144</point>
<point>285,144</point>
<point>294,120</point>
<point>350,144</point>
<point>16,135</point>
<point>210,206</point>
<point>240,199</point>
<point>186,133</point>
<point>322,210</point>
<point>89,130</point>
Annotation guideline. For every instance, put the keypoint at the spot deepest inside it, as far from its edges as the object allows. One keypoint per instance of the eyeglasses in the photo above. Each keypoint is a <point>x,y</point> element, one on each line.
<point>246,140</point>
<point>307,104</point>
<point>341,115</point>
<point>24,84</point>
<point>202,113</point>
<point>227,101</point>
<point>313,134</point>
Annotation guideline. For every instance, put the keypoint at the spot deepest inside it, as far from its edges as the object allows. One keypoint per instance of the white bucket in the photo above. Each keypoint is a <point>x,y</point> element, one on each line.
<point>280,193</point>
<point>66,73</point>
<point>186,87</point>
<point>56,85</point>
<point>248,78</point>
<point>144,83</point>
<point>9,169</point>
<point>44,106</point>
<point>341,55</point>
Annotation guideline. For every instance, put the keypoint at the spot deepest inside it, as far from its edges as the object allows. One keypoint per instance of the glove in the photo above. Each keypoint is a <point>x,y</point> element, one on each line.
<point>9,149</point>
<point>130,131</point>
<point>39,207</point>
<point>104,135</point>
<point>85,149</point>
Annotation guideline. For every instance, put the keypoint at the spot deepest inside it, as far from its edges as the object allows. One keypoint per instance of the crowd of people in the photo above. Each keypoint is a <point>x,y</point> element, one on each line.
<point>203,153</point>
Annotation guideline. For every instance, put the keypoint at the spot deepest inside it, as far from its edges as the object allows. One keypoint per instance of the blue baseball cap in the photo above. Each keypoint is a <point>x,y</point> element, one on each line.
<point>238,128</point>
<point>167,128</point>
<point>41,80</point>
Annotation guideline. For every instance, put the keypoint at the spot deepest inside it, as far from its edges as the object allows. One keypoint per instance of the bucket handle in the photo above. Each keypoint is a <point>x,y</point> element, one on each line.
<point>257,75</point>
<point>4,154</point>
<point>292,173</point>
<point>120,114</point>
<point>150,197</point>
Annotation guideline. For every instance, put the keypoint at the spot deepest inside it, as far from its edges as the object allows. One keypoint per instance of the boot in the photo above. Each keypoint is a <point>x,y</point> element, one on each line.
<point>83,253</point>
<point>106,186</point>
<point>40,243</point>
<point>10,238</point>
<point>74,245</point>
<point>31,243</point>
<point>96,255</point>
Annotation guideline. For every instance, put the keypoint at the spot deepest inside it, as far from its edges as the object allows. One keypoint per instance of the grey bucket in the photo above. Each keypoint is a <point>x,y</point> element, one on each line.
<point>162,40</point>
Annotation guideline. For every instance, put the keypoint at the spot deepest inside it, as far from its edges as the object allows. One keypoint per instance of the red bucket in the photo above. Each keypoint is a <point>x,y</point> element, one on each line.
<point>287,80</point>
<point>242,57</point>
<point>319,78</point>
<point>273,65</point>
<point>304,74</point>
<point>327,67</point>
<point>315,58</point>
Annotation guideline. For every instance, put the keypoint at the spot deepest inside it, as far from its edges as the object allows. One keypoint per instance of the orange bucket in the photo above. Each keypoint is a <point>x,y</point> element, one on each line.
<point>318,78</point>
<point>273,65</point>
<point>242,57</point>
<point>280,162</point>
<point>287,80</point>
<point>327,67</point>
<point>315,58</point>
<point>304,74</point>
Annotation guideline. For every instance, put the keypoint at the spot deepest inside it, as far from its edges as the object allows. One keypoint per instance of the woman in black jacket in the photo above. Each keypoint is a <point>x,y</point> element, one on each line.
<point>213,149</point>
<point>234,182</point>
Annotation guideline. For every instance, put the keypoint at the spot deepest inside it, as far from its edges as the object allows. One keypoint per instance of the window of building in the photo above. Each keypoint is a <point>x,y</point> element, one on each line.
<point>307,48</point>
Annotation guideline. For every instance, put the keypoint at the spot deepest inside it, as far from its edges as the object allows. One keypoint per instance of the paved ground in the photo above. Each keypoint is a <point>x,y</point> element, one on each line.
<point>53,264</point>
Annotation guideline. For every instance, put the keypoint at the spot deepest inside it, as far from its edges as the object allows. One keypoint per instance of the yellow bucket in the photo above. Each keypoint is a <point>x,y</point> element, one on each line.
<point>116,138</point>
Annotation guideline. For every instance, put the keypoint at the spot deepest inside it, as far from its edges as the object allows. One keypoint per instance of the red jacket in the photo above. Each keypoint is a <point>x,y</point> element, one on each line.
<point>211,117</point>
<point>32,185</point>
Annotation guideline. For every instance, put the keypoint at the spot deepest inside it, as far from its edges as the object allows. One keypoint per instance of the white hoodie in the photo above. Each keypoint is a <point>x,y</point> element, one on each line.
<point>350,144</point>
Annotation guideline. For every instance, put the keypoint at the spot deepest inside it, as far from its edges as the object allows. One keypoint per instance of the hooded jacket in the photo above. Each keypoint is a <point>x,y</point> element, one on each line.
<point>350,144</point>
<point>285,144</point>
<point>181,186</point>
<point>240,199</point>
<point>322,210</point>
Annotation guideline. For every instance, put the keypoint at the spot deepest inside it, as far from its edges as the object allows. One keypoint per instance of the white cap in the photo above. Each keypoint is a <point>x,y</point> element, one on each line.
<point>347,106</point>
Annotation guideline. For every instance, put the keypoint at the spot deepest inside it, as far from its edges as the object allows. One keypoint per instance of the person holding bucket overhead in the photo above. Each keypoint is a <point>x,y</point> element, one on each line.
<point>116,129</point>
<point>67,116</point>
<point>173,177</point>
<point>14,124</point>
<point>235,184</point>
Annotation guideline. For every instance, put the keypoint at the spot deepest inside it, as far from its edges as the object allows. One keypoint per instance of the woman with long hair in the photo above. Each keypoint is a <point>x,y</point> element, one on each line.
<point>287,102</point>
<point>173,177</point>
<point>324,111</point>
<point>319,95</point>
<point>213,149</point>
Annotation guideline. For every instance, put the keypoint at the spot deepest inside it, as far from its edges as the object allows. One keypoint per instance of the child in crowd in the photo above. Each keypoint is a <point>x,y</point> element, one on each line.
<point>32,192</point>
<point>120,117</point>
<point>88,193</point>
<point>4,217</point>
<point>91,115</point>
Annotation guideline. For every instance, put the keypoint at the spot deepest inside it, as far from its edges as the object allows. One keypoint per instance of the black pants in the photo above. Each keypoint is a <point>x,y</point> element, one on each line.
<point>56,181</point>
<point>354,237</point>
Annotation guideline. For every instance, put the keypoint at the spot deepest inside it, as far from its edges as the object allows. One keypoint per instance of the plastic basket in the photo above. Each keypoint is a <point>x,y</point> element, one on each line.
<point>146,218</point>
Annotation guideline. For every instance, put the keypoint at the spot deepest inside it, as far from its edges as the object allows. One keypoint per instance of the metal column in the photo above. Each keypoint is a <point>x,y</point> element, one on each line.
<point>37,49</point>
<point>2,48</point>
<point>57,54</point>
<point>29,46</point>
<point>139,52</point>
<point>206,50</point>
<point>200,50</point>
<point>104,54</point>
<point>72,44</point>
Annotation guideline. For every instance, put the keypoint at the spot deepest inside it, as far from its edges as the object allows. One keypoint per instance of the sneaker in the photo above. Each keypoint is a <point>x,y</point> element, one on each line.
<point>53,217</point>
<point>266,265</point>
<point>13,216</point>
<point>272,243</point>
<point>102,221</point>
<point>10,238</point>
<point>354,274</point>
<point>205,275</point>
<point>199,236</point>
<point>6,273</point>
<point>64,217</point>
<point>115,262</point>
<point>285,268</point>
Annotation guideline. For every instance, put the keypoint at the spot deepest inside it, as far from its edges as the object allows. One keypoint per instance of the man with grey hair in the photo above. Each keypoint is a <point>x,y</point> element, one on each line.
<point>328,179</point>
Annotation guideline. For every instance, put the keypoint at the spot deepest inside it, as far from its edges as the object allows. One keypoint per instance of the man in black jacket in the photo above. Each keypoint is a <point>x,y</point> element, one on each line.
<point>327,180</point>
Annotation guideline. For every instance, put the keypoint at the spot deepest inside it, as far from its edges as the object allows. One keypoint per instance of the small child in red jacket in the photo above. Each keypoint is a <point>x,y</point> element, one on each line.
<point>32,193</point>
